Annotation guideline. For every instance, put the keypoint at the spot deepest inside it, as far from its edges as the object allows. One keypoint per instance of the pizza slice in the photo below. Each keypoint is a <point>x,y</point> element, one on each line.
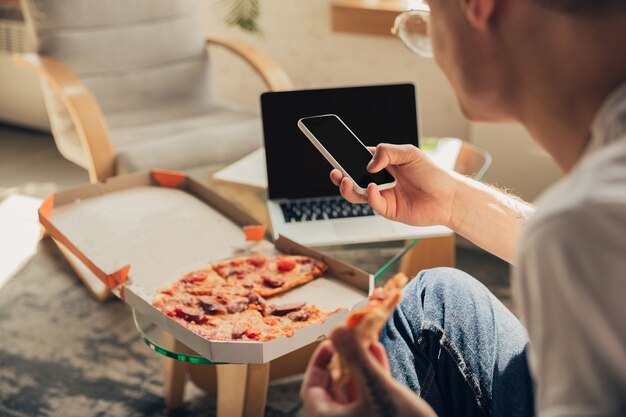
<point>196,282</point>
<point>237,267</point>
<point>283,273</point>
<point>269,276</point>
<point>367,322</point>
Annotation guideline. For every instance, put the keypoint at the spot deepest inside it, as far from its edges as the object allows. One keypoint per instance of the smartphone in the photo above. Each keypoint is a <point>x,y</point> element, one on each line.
<point>344,151</point>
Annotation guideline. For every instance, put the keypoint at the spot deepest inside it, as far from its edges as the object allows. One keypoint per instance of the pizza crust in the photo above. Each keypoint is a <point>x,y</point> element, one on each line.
<point>367,322</point>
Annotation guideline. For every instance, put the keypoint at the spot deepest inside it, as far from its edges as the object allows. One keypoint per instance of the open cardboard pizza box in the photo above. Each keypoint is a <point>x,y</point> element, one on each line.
<point>141,232</point>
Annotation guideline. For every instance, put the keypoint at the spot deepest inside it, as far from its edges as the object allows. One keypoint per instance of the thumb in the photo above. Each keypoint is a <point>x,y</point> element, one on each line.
<point>387,154</point>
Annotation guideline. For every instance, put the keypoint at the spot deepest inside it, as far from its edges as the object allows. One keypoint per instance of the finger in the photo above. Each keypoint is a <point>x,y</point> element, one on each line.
<point>316,373</point>
<point>387,154</point>
<point>378,350</point>
<point>336,176</point>
<point>376,200</point>
<point>352,391</point>
<point>347,191</point>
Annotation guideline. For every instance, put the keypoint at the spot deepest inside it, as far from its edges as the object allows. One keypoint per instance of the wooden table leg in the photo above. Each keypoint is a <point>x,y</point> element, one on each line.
<point>430,252</point>
<point>242,390</point>
<point>256,390</point>
<point>175,375</point>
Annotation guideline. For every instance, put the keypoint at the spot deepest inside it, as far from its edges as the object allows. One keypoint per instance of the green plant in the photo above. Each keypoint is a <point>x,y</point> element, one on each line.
<point>244,14</point>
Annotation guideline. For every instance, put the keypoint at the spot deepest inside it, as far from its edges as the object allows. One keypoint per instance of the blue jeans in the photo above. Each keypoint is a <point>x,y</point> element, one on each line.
<point>453,343</point>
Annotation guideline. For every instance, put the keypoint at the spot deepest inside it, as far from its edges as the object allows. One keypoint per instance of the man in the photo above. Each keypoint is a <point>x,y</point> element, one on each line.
<point>451,349</point>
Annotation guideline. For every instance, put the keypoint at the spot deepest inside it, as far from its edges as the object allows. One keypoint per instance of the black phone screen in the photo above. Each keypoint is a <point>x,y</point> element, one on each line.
<point>346,148</point>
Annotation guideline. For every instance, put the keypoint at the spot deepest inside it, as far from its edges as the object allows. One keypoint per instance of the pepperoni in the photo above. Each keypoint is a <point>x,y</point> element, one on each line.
<point>221,299</point>
<point>190,314</point>
<point>239,331</point>
<point>272,282</point>
<point>257,260</point>
<point>283,309</point>
<point>255,298</point>
<point>240,275</point>
<point>237,306</point>
<point>300,315</point>
<point>285,264</point>
<point>210,306</point>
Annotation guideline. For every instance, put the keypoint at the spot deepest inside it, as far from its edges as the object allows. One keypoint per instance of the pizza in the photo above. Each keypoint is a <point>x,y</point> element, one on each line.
<point>367,322</point>
<point>228,300</point>
<point>269,276</point>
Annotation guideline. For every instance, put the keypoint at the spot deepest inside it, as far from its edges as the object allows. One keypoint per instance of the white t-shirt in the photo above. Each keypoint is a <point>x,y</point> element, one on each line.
<point>570,281</point>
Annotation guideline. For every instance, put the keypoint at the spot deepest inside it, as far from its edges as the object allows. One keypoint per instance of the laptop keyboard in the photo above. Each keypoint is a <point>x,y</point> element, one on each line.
<point>312,209</point>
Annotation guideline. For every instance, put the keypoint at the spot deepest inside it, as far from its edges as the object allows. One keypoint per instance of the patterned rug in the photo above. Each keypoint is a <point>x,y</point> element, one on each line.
<point>64,354</point>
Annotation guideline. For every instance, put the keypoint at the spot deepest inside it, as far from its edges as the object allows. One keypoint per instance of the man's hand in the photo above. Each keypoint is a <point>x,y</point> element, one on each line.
<point>371,392</point>
<point>427,195</point>
<point>422,196</point>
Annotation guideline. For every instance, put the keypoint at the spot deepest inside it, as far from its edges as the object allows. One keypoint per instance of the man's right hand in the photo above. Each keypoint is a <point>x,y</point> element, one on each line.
<point>423,194</point>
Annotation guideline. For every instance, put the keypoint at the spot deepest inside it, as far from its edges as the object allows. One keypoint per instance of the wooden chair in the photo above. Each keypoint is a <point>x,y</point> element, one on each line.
<point>128,88</point>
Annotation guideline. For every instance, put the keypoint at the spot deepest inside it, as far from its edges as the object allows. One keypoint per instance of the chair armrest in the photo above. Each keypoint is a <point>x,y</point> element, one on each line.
<point>274,76</point>
<point>83,109</point>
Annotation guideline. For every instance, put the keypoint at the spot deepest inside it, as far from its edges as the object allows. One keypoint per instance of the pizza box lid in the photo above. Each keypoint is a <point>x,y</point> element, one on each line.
<point>141,232</point>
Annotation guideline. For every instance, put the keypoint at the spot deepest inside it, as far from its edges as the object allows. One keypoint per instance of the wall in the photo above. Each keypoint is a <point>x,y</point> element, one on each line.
<point>297,34</point>
<point>519,165</point>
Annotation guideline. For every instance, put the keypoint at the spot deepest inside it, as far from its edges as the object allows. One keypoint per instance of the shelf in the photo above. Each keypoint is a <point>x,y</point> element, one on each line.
<point>367,17</point>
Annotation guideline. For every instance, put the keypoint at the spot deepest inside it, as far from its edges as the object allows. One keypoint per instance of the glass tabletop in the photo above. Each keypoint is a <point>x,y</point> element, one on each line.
<point>382,256</point>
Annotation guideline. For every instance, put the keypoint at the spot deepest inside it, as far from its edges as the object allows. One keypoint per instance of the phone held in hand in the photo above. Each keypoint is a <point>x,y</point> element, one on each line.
<point>344,151</point>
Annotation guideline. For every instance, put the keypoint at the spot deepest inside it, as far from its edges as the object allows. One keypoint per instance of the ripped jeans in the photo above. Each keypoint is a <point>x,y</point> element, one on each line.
<point>452,342</point>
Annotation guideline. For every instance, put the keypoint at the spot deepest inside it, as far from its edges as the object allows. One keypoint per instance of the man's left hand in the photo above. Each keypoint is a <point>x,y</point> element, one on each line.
<point>371,390</point>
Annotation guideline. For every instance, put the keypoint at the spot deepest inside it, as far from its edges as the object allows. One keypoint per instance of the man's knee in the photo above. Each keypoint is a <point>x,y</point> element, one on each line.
<point>448,282</point>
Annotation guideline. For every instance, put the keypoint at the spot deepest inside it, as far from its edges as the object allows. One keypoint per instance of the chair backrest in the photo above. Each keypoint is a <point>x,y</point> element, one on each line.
<point>473,161</point>
<point>130,53</point>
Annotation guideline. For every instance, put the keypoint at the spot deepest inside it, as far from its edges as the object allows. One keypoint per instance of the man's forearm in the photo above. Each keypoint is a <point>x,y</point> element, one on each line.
<point>488,217</point>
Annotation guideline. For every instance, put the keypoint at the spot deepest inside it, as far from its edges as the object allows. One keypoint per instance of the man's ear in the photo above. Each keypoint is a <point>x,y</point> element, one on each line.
<point>479,12</point>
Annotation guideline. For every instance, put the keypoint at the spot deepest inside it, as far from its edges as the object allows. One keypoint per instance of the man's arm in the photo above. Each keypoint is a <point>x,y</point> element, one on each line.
<point>490,218</point>
<point>426,195</point>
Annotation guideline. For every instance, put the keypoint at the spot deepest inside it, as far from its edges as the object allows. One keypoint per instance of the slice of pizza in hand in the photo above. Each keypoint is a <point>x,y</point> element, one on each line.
<point>367,322</point>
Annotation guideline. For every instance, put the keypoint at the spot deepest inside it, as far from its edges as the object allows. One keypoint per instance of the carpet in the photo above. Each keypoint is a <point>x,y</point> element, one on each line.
<point>64,354</point>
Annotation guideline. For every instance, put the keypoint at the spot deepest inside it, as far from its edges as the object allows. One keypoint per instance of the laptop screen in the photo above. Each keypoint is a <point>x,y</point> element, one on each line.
<point>295,169</point>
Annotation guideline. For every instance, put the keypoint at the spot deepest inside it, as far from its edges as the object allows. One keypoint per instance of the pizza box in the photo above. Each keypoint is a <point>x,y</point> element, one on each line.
<point>141,232</point>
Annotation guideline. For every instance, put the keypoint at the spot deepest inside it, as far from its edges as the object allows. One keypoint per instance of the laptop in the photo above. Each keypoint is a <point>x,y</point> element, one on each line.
<point>303,203</point>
